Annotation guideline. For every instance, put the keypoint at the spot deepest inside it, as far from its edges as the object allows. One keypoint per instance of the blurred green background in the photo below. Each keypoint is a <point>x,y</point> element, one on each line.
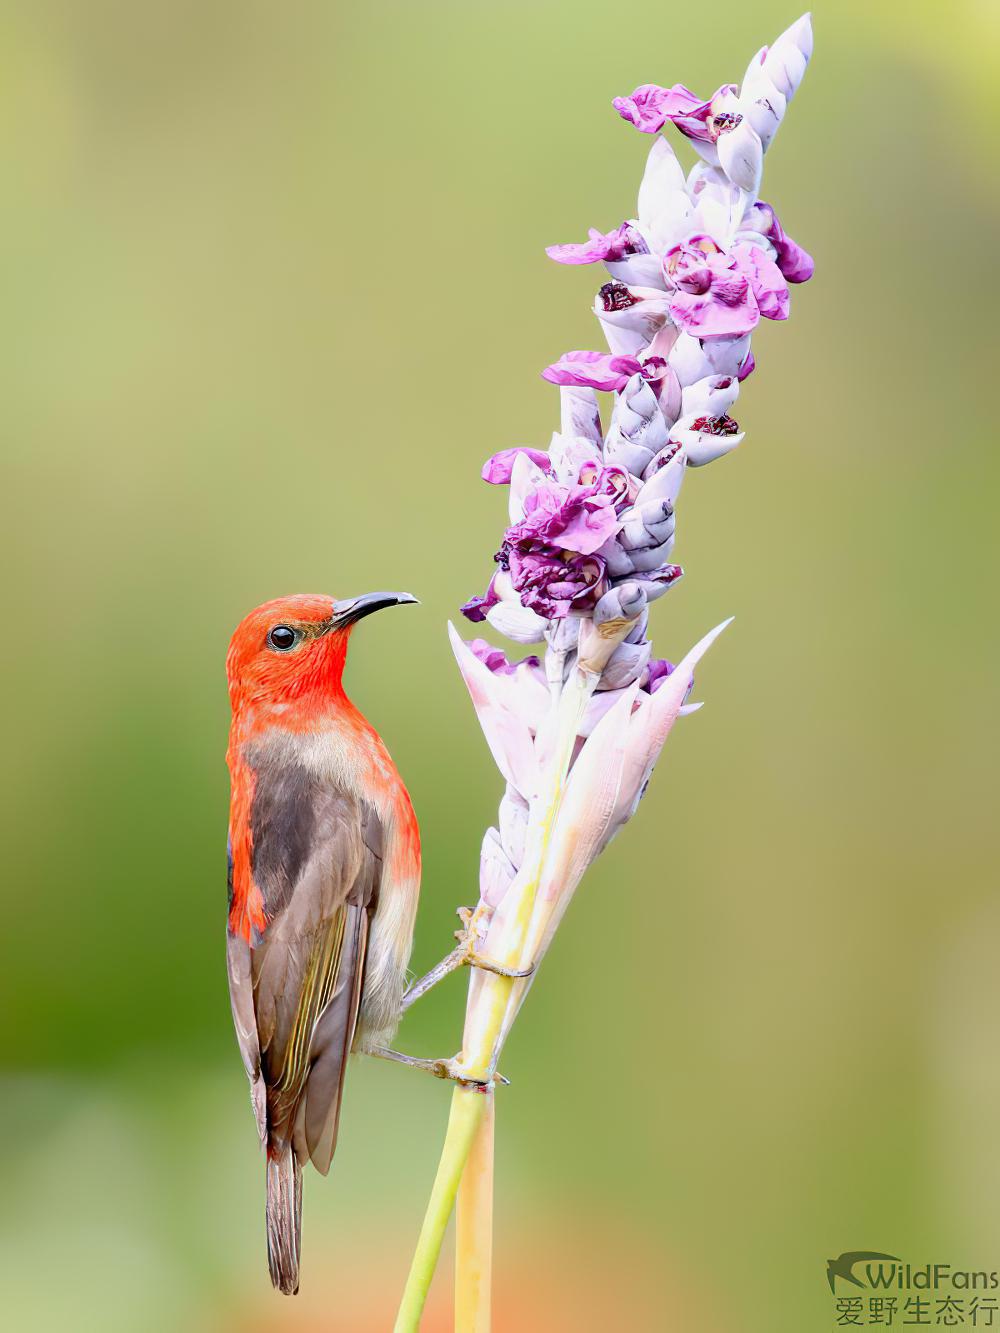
<point>273,286</point>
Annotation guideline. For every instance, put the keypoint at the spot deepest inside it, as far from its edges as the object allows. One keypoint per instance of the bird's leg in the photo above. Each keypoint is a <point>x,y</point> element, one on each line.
<point>439,1068</point>
<point>450,963</point>
<point>465,955</point>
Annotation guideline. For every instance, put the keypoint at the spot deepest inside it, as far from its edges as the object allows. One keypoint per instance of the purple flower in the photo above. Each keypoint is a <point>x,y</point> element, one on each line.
<point>475,608</point>
<point>496,658</point>
<point>795,263</point>
<point>650,107</point>
<point>497,469</point>
<point>609,247</point>
<point>659,670</point>
<point>625,665</point>
<point>615,482</point>
<point>574,518</point>
<point>554,583</point>
<point>592,370</point>
<point>711,296</point>
<point>631,317</point>
<point>600,370</point>
<point>656,582</point>
<point>767,282</point>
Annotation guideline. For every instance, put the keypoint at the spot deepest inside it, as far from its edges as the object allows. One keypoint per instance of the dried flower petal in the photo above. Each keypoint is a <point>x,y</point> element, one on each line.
<point>593,370</point>
<point>497,469</point>
<point>602,246</point>
<point>649,107</point>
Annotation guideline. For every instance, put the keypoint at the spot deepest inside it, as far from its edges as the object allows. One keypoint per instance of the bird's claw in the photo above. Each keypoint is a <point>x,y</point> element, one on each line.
<point>446,1068</point>
<point>471,920</point>
<point>450,1069</point>
<point>473,959</point>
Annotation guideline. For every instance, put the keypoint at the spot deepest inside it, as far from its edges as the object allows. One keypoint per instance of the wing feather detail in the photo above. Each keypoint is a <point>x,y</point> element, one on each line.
<point>297,991</point>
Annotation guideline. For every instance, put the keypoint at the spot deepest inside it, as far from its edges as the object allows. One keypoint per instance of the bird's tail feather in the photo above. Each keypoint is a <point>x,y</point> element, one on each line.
<point>284,1216</point>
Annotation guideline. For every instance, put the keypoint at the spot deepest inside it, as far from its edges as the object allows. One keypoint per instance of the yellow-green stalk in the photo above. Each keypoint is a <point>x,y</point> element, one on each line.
<point>488,1006</point>
<point>474,1230</point>
<point>468,1106</point>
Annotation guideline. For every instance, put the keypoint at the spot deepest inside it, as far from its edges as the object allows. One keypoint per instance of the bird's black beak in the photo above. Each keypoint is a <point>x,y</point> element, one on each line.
<point>353,609</point>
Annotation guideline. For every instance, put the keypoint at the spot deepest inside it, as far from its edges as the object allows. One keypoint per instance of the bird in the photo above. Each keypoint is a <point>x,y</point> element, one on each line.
<point>324,877</point>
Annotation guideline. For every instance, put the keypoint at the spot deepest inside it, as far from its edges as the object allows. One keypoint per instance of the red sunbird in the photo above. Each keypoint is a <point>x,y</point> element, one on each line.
<point>324,874</point>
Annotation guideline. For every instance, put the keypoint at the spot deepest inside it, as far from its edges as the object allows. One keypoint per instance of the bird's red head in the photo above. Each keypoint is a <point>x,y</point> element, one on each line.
<point>291,651</point>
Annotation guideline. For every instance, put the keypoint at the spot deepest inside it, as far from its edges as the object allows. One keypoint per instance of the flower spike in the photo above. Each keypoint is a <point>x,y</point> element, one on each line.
<point>588,550</point>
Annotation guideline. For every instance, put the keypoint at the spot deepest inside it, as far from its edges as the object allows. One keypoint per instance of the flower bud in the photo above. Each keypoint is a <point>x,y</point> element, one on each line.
<point>706,438</point>
<point>765,113</point>
<point>517,622</point>
<point>617,561</point>
<point>638,430</point>
<point>630,316</point>
<point>525,475</point>
<point>614,615</point>
<point>637,270</point>
<point>658,581</point>
<point>693,358</point>
<point>569,454</point>
<point>638,631</point>
<point>652,558</point>
<point>579,414</point>
<point>647,525</point>
<point>661,375</point>
<point>496,872</point>
<point>513,824</point>
<point>664,206</point>
<point>741,155</point>
<point>625,602</point>
<point>786,61</point>
<point>662,478</point>
<point>625,665</point>
<point>713,396</point>
<point>723,112</point>
<point>563,635</point>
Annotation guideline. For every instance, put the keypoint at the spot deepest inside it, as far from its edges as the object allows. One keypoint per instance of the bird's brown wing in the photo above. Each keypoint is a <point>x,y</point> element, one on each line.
<point>244,1018</point>
<point>317,860</point>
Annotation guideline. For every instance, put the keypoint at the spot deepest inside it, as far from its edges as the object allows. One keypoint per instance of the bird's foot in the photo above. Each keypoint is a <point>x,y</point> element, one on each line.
<point>447,1068</point>
<point>468,936</point>
<point>473,920</point>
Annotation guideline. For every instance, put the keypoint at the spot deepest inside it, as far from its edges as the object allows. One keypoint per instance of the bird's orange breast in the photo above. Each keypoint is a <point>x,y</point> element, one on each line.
<point>246,909</point>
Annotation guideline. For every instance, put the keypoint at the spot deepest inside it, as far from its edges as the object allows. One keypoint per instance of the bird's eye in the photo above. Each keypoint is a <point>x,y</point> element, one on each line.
<point>283,637</point>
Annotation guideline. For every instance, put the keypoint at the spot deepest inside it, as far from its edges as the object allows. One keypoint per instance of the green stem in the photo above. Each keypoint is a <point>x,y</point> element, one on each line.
<point>468,1106</point>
